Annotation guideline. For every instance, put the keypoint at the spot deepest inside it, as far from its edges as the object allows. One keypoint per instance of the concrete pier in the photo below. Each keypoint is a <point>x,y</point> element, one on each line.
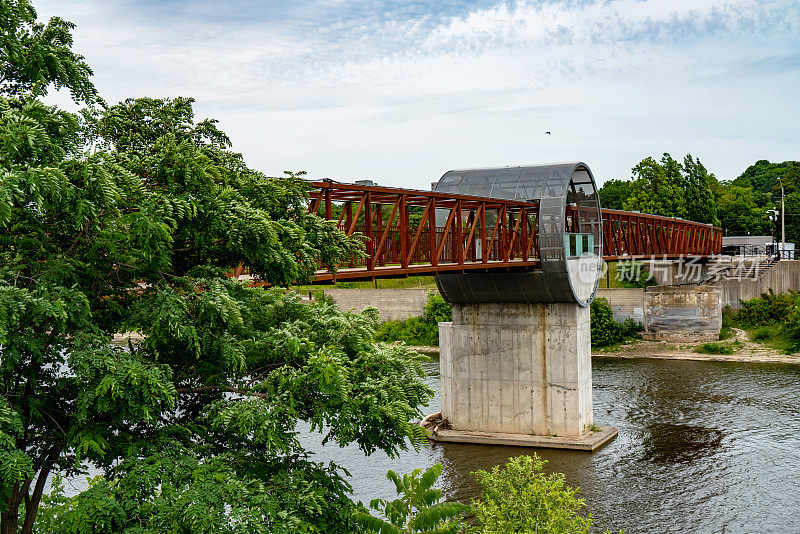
<point>517,368</point>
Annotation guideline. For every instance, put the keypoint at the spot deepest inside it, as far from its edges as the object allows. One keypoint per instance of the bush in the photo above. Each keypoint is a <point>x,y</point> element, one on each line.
<point>715,348</point>
<point>520,498</point>
<point>634,276</point>
<point>605,330</point>
<point>768,309</point>
<point>793,329</point>
<point>630,328</point>
<point>418,330</point>
<point>437,310</point>
<point>726,332</point>
<point>414,331</point>
<point>517,498</point>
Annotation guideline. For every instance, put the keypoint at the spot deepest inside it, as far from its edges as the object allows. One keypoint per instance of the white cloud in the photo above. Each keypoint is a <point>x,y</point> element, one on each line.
<point>402,92</point>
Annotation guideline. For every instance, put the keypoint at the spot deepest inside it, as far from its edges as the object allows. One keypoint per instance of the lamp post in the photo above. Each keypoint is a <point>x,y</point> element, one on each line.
<point>783,220</point>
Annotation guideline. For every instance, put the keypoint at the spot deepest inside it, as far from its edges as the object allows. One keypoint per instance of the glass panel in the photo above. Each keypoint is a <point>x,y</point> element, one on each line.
<point>477,183</point>
<point>507,183</point>
<point>449,182</point>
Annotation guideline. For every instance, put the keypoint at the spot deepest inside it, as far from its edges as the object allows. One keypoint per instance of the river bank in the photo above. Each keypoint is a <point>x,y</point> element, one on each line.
<point>747,351</point>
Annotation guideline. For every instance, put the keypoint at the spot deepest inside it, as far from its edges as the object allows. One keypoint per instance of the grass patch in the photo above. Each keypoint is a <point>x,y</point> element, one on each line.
<point>621,275</point>
<point>726,333</point>
<point>774,336</point>
<point>763,334</point>
<point>716,348</point>
<point>388,283</point>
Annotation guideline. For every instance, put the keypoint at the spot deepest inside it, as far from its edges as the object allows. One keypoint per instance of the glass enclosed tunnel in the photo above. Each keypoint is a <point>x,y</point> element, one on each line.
<point>569,233</point>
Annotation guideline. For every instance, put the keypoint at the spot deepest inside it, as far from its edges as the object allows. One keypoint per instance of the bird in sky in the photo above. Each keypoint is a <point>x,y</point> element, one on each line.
<point>547,133</point>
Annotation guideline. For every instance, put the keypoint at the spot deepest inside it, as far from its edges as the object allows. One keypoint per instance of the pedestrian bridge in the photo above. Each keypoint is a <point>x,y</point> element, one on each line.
<point>518,252</point>
<point>412,232</point>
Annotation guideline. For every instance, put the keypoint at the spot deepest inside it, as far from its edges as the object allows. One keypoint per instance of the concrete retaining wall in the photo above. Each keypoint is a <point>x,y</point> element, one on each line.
<point>625,302</point>
<point>782,276</point>
<point>682,313</point>
<point>392,304</point>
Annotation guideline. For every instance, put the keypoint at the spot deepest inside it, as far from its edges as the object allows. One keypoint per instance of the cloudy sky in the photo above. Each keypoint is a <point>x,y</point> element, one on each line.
<point>402,91</point>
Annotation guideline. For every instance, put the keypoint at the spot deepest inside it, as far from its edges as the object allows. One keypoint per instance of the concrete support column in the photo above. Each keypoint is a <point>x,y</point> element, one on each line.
<point>517,368</point>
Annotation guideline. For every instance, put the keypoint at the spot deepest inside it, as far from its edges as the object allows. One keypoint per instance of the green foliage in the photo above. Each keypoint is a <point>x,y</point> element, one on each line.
<point>698,183</point>
<point>605,330</point>
<point>763,176</point>
<point>715,348</point>
<point>762,334</point>
<point>417,509</point>
<point>770,308</point>
<point>672,189</point>
<point>420,331</point>
<point>634,275</point>
<point>772,319</point>
<point>414,331</point>
<point>522,499</point>
<point>614,194</point>
<point>726,332</point>
<point>193,428</point>
<point>793,329</point>
<point>657,188</point>
<point>437,310</point>
<point>742,211</point>
<point>792,207</point>
<point>37,55</point>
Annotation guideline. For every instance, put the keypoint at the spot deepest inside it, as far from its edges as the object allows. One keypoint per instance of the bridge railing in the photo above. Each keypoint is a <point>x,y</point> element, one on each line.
<point>629,235</point>
<point>479,233</point>
<point>423,232</point>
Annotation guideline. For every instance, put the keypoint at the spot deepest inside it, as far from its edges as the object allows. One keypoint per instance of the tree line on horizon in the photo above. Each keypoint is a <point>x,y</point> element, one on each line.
<point>687,190</point>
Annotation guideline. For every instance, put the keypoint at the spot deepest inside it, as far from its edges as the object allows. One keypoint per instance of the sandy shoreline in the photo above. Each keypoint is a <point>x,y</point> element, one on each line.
<point>662,350</point>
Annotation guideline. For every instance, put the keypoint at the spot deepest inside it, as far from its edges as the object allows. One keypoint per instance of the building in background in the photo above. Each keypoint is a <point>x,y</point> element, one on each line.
<point>756,245</point>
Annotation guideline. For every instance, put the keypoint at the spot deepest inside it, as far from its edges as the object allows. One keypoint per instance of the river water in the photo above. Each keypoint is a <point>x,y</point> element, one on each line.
<point>703,447</point>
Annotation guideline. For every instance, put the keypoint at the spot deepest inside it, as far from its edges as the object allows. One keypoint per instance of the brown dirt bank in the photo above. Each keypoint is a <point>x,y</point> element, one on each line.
<point>749,352</point>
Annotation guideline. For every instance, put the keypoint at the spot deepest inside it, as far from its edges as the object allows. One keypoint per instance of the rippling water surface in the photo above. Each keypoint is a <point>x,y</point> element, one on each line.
<point>702,447</point>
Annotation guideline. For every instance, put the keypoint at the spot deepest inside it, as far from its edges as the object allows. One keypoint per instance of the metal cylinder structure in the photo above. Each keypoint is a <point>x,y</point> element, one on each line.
<point>570,235</point>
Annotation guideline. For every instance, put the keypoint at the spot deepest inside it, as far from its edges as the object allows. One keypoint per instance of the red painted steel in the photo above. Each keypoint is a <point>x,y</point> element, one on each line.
<point>478,233</point>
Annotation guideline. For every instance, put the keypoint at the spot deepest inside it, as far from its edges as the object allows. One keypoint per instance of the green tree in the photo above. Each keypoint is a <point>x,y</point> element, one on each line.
<point>34,55</point>
<point>792,217</point>
<point>193,427</point>
<point>614,194</point>
<point>763,176</point>
<point>417,509</point>
<point>522,499</point>
<point>740,213</point>
<point>657,188</point>
<point>672,189</point>
<point>697,189</point>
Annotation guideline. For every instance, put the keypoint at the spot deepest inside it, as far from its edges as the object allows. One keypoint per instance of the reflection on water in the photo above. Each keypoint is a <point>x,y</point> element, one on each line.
<point>702,447</point>
<point>669,443</point>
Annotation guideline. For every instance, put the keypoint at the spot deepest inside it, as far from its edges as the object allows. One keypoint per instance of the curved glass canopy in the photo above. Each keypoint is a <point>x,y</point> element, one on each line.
<point>569,233</point>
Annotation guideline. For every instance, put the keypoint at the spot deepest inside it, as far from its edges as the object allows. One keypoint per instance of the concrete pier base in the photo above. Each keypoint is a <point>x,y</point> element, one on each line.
<point>515,368</point>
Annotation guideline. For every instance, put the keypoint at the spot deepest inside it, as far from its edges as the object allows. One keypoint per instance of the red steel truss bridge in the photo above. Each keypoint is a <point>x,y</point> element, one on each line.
<point>411,232</point>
